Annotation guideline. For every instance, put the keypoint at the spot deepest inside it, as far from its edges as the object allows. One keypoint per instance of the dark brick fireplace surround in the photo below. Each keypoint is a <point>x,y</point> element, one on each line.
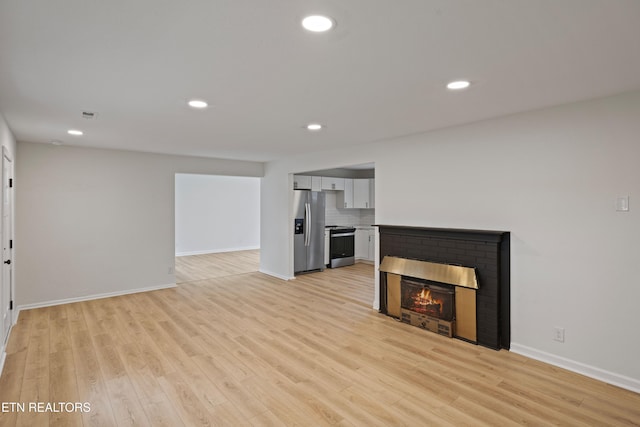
<point>487,251</point>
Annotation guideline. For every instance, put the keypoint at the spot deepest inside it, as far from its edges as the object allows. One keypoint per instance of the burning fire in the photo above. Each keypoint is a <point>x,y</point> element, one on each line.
<point>425,303</point>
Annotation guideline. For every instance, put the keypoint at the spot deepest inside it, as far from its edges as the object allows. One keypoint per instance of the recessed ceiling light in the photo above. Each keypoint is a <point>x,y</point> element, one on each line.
<point>314,126</point>
<point>317,23</point>
<point>74,132</point>
<point>197,103</point>
<point>458,84</point>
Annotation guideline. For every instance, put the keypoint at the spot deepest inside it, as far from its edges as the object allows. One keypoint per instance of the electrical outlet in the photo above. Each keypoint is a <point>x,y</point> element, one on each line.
<point>170,270</point>
<point>558,334</point>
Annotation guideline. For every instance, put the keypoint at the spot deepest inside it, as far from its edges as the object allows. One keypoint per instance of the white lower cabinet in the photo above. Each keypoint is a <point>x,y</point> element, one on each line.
<point>361,249</point>
<point>365,244</point>
<point>327,248</point>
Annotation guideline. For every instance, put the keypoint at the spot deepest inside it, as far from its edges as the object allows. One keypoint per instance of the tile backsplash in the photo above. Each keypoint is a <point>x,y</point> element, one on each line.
<point>335,216</point>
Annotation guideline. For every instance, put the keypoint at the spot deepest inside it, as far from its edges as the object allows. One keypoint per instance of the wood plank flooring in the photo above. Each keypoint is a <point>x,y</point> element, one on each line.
<point>207,266</point>
<point>251,350</point>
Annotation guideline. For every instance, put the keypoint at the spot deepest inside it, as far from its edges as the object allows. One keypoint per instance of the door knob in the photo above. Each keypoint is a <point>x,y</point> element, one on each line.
<point>8,261</point>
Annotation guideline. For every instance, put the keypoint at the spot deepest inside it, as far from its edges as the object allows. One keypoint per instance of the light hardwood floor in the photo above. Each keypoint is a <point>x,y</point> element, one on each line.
<point>207,266</point>
<point>249,349</point>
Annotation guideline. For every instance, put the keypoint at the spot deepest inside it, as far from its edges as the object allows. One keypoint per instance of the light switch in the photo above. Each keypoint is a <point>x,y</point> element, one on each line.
<point>622,204</point>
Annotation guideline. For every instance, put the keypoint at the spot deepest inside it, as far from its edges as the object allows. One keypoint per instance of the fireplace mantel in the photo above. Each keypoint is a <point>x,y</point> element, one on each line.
<point>485,250</point>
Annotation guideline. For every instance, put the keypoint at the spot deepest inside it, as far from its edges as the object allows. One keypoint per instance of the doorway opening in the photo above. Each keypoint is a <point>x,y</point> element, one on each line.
<point>349,205</point>
<point>217,226</point>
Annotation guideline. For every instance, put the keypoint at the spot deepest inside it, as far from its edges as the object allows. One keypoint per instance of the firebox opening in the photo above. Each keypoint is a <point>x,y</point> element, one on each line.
<point>428,298</point>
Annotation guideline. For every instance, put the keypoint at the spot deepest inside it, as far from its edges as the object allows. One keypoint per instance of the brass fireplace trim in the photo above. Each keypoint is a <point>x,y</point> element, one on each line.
<point>443,273</point>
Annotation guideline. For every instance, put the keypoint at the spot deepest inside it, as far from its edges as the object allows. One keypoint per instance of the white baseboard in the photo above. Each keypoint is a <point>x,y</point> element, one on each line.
<point>3,348</point>
<point>578,367</point>
<point>92,297</point>
<point>279,276</point>
<point>217,251</point>
<point>3,357</point>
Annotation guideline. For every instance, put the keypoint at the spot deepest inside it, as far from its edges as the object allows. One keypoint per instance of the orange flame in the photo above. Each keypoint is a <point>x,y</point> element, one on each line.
<point>424,299</point>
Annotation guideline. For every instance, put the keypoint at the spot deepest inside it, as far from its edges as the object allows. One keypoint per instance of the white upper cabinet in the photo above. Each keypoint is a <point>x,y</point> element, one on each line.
<point>363,193</point>
<point>361,199</point>
<point>358,194</point>
<point>329,183</point>
<point>344,199</point>
<point>304,182</point>
<point>316,183</point>
<point>301,182</point>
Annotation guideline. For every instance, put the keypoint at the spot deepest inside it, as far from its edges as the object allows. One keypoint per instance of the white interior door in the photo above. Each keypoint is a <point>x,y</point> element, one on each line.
<point>7,245</point>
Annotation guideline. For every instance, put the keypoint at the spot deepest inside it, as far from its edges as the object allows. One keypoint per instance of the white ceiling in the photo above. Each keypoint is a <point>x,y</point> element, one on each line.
<point>379,74</point>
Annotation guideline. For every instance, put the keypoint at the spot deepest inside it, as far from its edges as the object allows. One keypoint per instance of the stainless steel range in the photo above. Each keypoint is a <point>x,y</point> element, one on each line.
<point>341,246</point>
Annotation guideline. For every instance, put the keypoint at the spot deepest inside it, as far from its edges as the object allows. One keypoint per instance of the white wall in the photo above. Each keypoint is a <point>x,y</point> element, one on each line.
<point>93,222</point>
<point>6,137</point>
<point>216,214</point>
<point>551,178</point>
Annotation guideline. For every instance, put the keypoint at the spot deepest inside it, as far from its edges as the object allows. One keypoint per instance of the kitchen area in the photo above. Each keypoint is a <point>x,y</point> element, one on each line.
<point>334,213</point>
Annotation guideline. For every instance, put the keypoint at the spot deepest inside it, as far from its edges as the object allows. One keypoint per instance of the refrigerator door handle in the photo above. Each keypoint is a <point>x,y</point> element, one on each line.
<point>307,228</point>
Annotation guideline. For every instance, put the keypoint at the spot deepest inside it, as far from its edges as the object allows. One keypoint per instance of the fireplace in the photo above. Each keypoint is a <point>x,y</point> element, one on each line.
<point>434,296</point>
<point>450,281</point>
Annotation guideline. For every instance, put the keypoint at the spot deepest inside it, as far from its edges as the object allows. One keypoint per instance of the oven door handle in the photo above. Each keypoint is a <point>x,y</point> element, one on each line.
<point>343,235</point>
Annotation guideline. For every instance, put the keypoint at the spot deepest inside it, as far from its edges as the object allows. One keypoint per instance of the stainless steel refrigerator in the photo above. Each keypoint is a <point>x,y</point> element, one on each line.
<point>308,235</point>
